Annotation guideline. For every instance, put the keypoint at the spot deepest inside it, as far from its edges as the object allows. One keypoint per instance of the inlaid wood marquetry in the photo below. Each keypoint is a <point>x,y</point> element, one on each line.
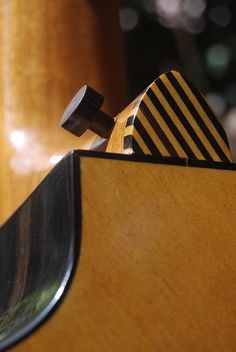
<point>171,118</point>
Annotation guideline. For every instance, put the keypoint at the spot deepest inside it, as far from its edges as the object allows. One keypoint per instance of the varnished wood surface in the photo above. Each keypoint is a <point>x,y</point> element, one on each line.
<point>48,51</point>
<point>116,140</point>
<point>157,264</point>
<point>171,118</point>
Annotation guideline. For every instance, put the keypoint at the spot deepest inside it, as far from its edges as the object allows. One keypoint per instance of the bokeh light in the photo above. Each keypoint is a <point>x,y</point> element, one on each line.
<point>218,57</point>
<point>185,14</point>
<point>18,139</point>
<point>217,102</point>
<point>194,8</point>
<point>129,18</point>
<point>220,15</point>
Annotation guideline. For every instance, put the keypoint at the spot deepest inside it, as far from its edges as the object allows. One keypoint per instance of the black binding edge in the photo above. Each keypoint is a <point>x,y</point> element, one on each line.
<point>157,160</point>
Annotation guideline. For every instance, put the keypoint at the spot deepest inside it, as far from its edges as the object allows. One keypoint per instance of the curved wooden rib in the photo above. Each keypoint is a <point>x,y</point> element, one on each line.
<point>171,118</point>
<point>33,275</point>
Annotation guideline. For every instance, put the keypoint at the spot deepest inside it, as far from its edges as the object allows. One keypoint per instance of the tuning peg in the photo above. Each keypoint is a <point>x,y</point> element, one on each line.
<point>84,112</point>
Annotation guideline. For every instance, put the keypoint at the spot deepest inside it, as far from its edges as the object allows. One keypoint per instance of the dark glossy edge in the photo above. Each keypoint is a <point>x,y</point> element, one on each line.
<point>157,160</point>
<point>74,161</point>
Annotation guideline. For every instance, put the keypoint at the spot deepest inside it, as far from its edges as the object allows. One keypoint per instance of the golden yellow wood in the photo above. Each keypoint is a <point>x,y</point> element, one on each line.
<point>116,140</point>
<point>49,49</point>
<point>157,264</point>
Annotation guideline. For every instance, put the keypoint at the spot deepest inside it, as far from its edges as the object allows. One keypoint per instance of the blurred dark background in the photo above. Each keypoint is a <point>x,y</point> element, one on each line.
<point>196,37</point>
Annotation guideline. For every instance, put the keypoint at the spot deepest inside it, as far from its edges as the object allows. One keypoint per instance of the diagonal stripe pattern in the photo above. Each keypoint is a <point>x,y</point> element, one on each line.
<point>174,120</point>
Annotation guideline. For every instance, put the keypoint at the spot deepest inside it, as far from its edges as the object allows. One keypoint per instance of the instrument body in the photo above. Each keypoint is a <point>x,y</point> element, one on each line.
<point>151,234</point>
<point>156,263</point>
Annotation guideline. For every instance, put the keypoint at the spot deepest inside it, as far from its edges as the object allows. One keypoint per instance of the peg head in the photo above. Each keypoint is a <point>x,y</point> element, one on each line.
<point>83,112</point>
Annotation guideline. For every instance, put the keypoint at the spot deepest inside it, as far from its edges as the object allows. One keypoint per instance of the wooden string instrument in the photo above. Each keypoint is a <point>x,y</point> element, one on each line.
<point>138,239</point>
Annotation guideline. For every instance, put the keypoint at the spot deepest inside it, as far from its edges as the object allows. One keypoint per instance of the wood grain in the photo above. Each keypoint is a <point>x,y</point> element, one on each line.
<point>116,140</point>
<point>171,119</point>
<point>157,265</point>
<point>49,50</point>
